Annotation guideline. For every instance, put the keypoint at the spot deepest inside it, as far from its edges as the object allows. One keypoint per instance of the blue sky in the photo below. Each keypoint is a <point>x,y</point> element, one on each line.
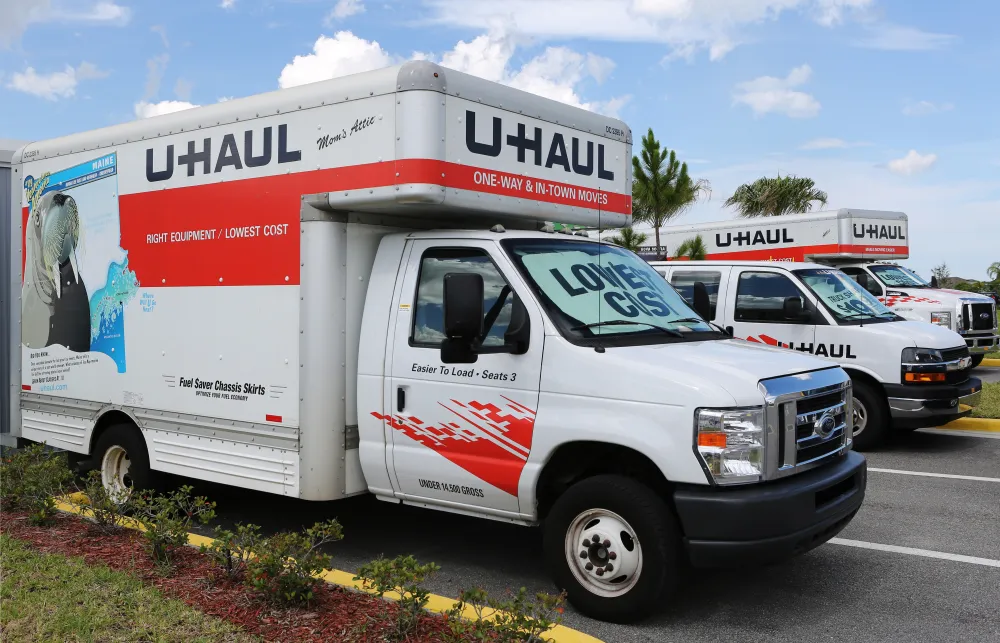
<point>887,104</point>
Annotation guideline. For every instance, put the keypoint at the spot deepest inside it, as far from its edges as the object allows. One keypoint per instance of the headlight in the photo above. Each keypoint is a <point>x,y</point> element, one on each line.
<point>941,319</point>
<point>731,443</point>
<point>922,355</point>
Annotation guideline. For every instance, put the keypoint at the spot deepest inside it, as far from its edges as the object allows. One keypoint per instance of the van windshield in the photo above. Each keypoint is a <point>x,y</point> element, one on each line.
<point>844,298</point>
<point>898,276</point>
<point>597,291</point>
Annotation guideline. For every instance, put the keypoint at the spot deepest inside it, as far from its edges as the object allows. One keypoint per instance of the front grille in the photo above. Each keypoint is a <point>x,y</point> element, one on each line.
<point>972,315</point>
<point>952,354</point>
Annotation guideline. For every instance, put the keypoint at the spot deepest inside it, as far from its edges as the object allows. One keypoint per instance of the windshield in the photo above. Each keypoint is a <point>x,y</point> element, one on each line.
<point>595,290</point>
<point>843,297</point>
<point>898,276</point>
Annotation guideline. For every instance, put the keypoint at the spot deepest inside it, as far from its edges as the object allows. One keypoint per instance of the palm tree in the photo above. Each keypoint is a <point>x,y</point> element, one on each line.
<point>994,271</point>
<point>693,249</point>
<point>661,186</point>
<point>767,197</point>
<point>628,239</point>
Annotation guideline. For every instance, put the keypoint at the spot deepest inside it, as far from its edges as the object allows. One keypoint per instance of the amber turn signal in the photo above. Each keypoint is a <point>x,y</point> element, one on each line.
<point>716,439</point>
<point>925,377</point>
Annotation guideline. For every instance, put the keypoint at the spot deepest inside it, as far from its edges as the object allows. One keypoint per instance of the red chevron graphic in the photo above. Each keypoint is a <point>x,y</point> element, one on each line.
<point>490,442</point>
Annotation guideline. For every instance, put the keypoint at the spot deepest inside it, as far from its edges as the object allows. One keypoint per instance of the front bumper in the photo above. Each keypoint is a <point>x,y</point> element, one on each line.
<point>769,522</point>
<point>918,407</point>
<point>981,344</point>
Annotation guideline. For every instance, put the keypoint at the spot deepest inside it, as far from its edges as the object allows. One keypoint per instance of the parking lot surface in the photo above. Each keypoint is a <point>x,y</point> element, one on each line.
<point>943,585</point>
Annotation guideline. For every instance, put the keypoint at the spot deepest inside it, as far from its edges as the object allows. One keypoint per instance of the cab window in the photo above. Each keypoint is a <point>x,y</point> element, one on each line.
<point>866,281</point>
<point>760,297</point>
<point>684,280</point>
<point>428,311</point>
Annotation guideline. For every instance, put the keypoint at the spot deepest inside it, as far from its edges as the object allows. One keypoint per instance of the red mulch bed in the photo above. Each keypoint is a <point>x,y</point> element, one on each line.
<point>336,614</point>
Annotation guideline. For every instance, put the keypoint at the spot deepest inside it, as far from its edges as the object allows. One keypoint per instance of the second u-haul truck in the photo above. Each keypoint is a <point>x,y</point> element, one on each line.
<point>864,244</point>
<point>348,287</point>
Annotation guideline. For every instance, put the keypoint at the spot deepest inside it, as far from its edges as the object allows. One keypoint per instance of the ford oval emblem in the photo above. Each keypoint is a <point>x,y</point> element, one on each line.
<point>825,425</point>
<point>985,316</point>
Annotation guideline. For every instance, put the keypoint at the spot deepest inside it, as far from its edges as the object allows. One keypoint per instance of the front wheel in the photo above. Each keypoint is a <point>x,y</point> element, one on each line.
<point>871,416</point>
<point>124,462</point>
<point>614,546</point>
<point>977,360</point>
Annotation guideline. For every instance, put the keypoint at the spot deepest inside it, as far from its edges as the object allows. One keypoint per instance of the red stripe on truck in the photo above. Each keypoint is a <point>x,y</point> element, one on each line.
<point>803,253</point>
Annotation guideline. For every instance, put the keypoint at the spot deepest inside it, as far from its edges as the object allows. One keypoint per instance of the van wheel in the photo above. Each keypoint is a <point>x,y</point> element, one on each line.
<point>614,546</point>
<point>871,416</point>
<point>977,360</point>
<point>124,462</point>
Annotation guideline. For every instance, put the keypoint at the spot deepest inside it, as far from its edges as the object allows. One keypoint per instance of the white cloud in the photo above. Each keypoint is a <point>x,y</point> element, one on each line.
<point>162,31</point>
<point>182,89</point>
<point>148,110</point>
<point>56,85</point>
<point>687,26</point>
<point>18,15</point>
<point>768,94</point>
<point>155,68</point>
<point>556,73</point>
<point>925,108</point>
<point>345,9</point>
<point>830,144</point>
<point>228,4</point>
<point>912,163</point>
<point>340,55</point>
<point>892,37</point>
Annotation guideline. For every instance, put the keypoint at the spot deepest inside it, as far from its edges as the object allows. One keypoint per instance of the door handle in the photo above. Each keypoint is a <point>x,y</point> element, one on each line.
<point>400,399</point>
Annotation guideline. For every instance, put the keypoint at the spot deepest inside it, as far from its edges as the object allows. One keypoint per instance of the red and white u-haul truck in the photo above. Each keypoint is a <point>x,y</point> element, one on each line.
<point>865,244</point>
<point>342,288</point>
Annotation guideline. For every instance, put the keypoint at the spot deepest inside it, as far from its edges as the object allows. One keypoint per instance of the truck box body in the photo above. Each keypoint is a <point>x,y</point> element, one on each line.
<point>864,244</point>
<point>195,292</point>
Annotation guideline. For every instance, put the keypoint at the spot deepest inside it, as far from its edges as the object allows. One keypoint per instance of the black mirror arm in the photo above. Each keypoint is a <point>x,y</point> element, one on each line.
<point>494,312</point>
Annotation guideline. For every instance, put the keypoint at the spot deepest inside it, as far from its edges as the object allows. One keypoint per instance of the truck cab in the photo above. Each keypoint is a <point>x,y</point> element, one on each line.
<point>971,315</point>
<point>907,374</point>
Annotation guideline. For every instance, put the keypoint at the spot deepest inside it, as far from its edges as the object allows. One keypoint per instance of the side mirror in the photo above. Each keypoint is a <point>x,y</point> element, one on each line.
<point>793,309</point>
<point>463,317</point>
<point>862,279</point>
<point>934,281</point>
<point>702,304</point>
<point>519,329</point>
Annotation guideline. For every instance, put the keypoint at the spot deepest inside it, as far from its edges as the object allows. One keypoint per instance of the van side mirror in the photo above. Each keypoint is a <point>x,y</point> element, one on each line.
<point>462,306</point>
<point>702,304</point>
<point>934,281</point>
<point>862,280</point>
<point>519,329</point>
<point>793,310</point>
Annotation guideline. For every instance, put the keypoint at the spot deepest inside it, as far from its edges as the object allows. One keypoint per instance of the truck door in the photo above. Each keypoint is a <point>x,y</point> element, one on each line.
<point>761,309</point>
<point>461,432</point>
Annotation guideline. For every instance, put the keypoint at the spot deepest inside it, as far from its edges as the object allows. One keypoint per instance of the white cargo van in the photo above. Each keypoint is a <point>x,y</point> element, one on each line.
<point>863,244</point>
<point>342,288</point>
<point>907,374</point>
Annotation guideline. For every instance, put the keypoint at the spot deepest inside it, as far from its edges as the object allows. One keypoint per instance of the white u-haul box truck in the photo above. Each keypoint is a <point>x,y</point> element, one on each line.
<point>341,289</point>
<point>864,244</point>
<point>907,374</point>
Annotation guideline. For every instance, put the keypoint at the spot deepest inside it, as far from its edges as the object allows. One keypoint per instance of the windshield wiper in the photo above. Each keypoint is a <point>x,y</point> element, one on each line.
<point>623,322</point>
<point>868,316</point>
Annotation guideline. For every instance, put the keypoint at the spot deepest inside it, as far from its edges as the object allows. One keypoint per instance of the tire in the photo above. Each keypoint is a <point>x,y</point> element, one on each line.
<point>124,442</point>
<point>626,512</point>
<point>977,360</point>
<point>872,412</point>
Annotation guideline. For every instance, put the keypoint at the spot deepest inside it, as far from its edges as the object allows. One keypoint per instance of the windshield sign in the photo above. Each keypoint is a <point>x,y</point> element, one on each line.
<point>843,297</point>
<point>584,283</point>
<point>898,276</point>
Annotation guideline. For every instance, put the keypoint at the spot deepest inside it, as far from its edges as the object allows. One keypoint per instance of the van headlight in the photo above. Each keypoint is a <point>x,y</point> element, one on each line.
<point>941,319</point>
<point>730,443</point>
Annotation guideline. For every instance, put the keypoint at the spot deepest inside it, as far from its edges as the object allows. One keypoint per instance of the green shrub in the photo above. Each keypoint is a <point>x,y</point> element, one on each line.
<point>285,565</point>
<point>232,550</point>
<point>108,511</point>
<point>518,619</point>
<point>167,518</point>
<point>404,576</point>
<point>31,479</point>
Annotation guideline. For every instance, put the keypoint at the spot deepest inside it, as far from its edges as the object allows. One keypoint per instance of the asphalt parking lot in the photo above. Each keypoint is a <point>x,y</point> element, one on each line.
<point>920,562</point>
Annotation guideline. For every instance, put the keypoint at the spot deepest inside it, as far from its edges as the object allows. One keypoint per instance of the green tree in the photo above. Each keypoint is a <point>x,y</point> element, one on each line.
<point>629,239</point>
<point>694,249</point>
<point>661,185</point>
<point>994,271</point>
<point>941,272</point>
<point>767,197</point>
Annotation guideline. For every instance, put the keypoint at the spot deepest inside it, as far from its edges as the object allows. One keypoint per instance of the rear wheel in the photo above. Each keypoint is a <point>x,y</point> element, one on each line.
<point>871,416</point>
<point>614,546</point>
<point>977,360</point>
<point>123,460</point>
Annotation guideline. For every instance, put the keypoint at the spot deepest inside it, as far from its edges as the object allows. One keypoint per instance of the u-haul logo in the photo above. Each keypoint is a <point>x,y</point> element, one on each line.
<point>766,237</point>
<point>256,151</point>
<point>574,157</point>
<point>862,231</point>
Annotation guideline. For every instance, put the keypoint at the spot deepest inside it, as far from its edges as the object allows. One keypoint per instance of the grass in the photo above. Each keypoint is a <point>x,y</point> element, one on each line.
<point>989,405</point>
<point>993,355</point>
<point>49,597</point>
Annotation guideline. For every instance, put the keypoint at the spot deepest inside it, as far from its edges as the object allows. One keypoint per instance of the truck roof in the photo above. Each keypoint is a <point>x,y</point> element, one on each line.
<point>783,265</point>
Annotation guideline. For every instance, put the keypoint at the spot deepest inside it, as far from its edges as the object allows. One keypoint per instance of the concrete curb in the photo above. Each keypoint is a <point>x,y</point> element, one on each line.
<point>991,362</point>
<point>972,424</point>
<point>436,604</point>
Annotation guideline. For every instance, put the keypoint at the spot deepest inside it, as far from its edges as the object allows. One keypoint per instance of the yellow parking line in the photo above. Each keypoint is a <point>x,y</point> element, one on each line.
<point>436,604</point>
<point>990,362</point>
<point>972,424</point>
